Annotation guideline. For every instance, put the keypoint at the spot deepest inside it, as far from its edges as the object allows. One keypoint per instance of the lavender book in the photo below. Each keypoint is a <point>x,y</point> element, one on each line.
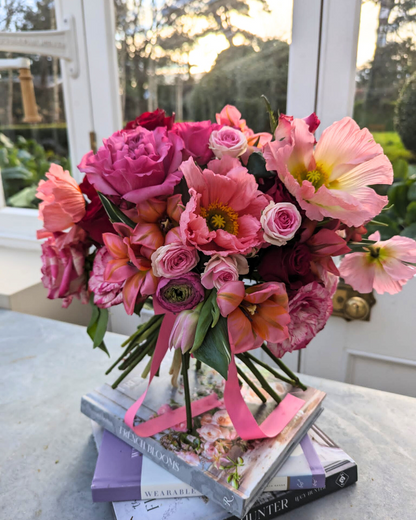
<point>123,473</point>
<point>198,459</point>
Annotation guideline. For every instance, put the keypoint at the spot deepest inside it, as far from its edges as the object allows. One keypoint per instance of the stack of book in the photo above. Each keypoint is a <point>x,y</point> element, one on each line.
<point>211,474</point>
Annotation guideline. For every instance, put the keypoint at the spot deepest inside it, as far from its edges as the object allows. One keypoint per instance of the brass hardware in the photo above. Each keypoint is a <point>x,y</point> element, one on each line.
<point>351,305</point>
<point>93,141</point>
<point>28,96</point>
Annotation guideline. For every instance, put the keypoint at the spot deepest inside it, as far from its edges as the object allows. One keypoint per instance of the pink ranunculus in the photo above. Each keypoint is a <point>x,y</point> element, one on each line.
<point>223,214</point>
<point>181,293</point>
<point>221,418</point>
<point>210,432</point>
<point>228,141</point>
<point>309,310</point>
<point>196,139</point>
<point>183,332</point>
<point>63,259</point>
<point>106,294</point>
<point>386,265</point>
<point>136,165</point>
<point>222,269</point>
<point>174,260</point>
<point>332,180</point>
<point>280,222</point>
<point>62,201</point>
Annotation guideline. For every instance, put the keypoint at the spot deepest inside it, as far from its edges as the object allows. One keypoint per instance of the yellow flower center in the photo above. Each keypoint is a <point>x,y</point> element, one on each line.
<point>220,216</point>
<point>317,177</point>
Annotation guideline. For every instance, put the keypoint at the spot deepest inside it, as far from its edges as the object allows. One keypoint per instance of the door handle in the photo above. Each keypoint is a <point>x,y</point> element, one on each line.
<point>351,305</point>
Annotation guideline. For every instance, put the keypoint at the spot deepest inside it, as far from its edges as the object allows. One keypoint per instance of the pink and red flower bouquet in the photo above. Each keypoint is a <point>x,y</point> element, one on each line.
<point>231,234</point>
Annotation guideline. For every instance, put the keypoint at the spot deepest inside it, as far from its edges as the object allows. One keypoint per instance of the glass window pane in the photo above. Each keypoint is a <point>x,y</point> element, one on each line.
<point>29,144</point>
<point>385,101</point>
<point>193,57</point>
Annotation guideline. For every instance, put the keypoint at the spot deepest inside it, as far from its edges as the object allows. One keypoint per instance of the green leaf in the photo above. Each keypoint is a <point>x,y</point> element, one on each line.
<point>411,194</point>
<point>256,165</point>
<point>23,198</point>
<point>398,196</point>
<point>97,326</point>
<point>114,213</point>
<point>17,173</point>
<point>204,321</point>
<point>215,349</point>
<point>273,115</point>
<point>215,312</point>
<point>409,231</point>
<point>400,168</point>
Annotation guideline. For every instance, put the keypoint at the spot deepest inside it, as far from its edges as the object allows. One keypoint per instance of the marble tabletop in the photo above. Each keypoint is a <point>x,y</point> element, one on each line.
<point>47,454</point>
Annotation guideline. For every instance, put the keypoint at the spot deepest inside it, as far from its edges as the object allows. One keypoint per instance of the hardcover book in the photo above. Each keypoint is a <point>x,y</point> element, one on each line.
<point>210,459</point>
<point>340,472</point>
<point>123,473</point>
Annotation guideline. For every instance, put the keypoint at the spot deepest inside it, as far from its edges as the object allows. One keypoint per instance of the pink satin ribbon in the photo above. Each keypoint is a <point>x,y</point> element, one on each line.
<point>243,421</point>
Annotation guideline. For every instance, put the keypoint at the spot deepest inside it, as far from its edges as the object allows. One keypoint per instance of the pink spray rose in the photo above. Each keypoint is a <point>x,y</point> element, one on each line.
<point>181,293</point>
<point>222,269</point>
<point>136,164</point>
<point>210,432</point>
<point>174,259</point>
<point>196,140</point>
<point>63,259</point>
<point>280,222</point>
<point>106,294</point>
<point>221,418</point>
<point>228,141</point>
<point>309,310</point>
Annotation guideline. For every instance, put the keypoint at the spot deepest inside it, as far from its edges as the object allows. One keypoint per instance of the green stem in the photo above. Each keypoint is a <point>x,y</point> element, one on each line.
<point>185,366</point>
<point>271,370</point>
<point>251,385</point>
<point>198,365</point>
<point>285,369</point>
<point>259,376</point>
<point>132,366</point>
<point>137,352</point>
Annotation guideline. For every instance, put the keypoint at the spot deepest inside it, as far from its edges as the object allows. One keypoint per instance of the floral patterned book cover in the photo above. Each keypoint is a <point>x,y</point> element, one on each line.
<point>205,460</point>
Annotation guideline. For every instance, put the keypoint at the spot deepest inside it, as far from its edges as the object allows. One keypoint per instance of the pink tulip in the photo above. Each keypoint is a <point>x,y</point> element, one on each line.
<point>184,328</point>
<point>333,179</point>
<point>385,266</point>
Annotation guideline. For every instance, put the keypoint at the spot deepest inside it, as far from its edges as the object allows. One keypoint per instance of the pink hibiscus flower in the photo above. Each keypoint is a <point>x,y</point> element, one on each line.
<point>385,266</point>
<point>223,214</point>
<point>331,180</point>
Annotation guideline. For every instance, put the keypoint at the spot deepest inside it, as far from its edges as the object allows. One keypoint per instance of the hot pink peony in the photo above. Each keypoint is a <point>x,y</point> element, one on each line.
<point>221,269</point>
<point>63,259</point>
<point>309,310</point>
<point>333,180</point>
<point>174,259</point>
<point>62,201</point>
<point>280,222</point>
<point>223,214</point>
<point>227,141</point>
<point>136,164</point>
<point>196,139</point>
<point>385,266</point>
<point>106,294</point>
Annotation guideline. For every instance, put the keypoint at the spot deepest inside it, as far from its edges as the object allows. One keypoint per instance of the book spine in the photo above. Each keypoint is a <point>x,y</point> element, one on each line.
<point>110,416</point>
<point>293,499</point>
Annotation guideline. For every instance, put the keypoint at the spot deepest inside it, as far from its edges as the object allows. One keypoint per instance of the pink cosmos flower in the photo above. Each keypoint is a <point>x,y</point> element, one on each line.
<point>209,432</point>
<point>131,250</point>
<point>63,259</point>
<point>223,214</point>
<point>136,164</point>
<point>280,222</point>
<point>106,294</point>
<point>227,141</point>
<point>62,201</point>
<point>173,260</point>
<point>309,310</point>
<point>333,180</point>
<point>222,269</point>
<point>385,266</point>
<point>196,136</point>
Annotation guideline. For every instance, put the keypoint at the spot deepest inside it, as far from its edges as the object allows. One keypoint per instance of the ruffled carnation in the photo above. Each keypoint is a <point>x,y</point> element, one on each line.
<point>106,294</point>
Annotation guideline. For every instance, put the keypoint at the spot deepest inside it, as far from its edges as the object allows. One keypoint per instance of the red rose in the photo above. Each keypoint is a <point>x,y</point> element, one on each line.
<point>289,264</point>
<point>95,221</point>
<point>151,120</point>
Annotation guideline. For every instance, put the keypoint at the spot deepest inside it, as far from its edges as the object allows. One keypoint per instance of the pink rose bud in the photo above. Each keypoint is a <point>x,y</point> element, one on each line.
<point>173,260</point>
<point>220,269</point>
<point>280,222</point>
<point>228,141</point>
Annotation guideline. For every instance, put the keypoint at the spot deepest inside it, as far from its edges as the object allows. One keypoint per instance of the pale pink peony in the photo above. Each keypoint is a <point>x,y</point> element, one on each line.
<point>385,266</point>
<point>209,432</point>
<point>189,457</point>
<point>222,269</point>
<point>333,180</point>
<point>309,310</point>
<point>63,259</point>
<point>175,259</point>
<point>223,214</point>
<point>106,294</point>
<point>136,165</point>
<point>280,221</point>
<point>221,418</point>
<point>227,141</point>
<point>62,201</point>
<point>196,136</point>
